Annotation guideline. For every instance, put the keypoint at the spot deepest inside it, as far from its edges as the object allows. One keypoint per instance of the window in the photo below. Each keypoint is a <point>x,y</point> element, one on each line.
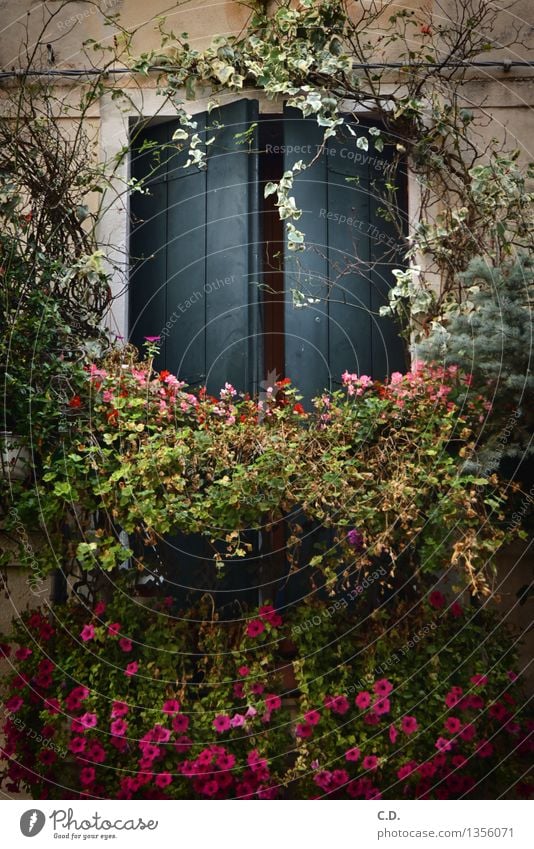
<point>211,272</point>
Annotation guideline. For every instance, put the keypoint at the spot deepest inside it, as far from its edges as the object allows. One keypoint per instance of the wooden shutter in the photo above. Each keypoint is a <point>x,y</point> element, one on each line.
<point>195,251</point>
<point>344,273</point>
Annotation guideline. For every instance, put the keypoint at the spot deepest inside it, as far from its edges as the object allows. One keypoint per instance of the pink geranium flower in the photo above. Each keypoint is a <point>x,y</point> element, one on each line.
<point>222,723</point>
<point>131,669</point>
<point>87,633</point>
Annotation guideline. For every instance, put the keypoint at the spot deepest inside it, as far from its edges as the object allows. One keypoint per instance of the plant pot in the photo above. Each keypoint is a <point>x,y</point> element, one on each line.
<point>14,457</point>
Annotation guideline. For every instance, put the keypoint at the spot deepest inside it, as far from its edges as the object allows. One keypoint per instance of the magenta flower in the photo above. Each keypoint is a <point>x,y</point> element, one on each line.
<point>453,724</point>
<point>238,720</point>
<point>162,780</point>
<point>51,705</point>
<point>255,627</point>
<point>363,700</point>
<point>479,680</point>
<point>456,609</point>
<point>352,754</point>
<point>383,687</point>
<point>355,539</point>
<point>257,689</point>
<point>88,720</point>
<point>370,762</point>
<point>304,730</point>
<point>484,749</point>
<point>119,709</point>
<point>131,669</point>
<point>273,702</point>
<point>381,707</point>
<point>119,727</point>
<point>312,717</point>
<point>171,706</point>
<point>468,733</point>
<point>243,671</point>
<point>87,632</point>
<point>23,653</point>
<point>96,753</point>
<point>152,338</point>
<point>14,704</point>
<point>443,745</point>
<point>125,644</point>
<point>222,723</point>
<point>100,608</point>
<point>180,723</point>
<point>87,775</point>
<point>409,724</point>
<point>406,769</point>
<point>393,733</point>
<point>47,757</point>
<point>114,629</point>
<point>77,745</point>
<point>211,788</point>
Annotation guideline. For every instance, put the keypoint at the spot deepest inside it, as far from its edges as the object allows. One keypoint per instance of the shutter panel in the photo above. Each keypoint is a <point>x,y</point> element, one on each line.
<point>196,254</point>
<point>347,262</point>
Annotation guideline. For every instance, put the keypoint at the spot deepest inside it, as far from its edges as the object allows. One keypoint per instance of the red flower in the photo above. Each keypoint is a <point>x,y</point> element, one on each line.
<point>284,382</point>
<point>163,374</point>
<point>299,410</point>
<point>437,599</point>
<point>75,402</point>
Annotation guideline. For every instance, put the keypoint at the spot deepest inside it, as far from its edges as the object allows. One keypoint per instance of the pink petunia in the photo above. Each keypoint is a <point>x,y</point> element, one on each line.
<point>119,727</point>
<point>453,724</point>
<point>304,730</point>
<point>479,680</point>
<point>383,687</point>
<point>87,633</point>
<point>131,669</point>
<point>443,745</point>
<point>370,762</point>
<point>125,644</point>
<point>77,745</point>
<point>23,653</point>
<point>114,629</point>
<point>171,706</point>
<point>119,709</point>
<point>312,717</point>
<point>255,627</point>
<point>393,733</point>
<point>352,754</point>
<point>162,780</point>
<point>409,724</point>
<point>381,707</point>
<point>87,775</point>
<point>14,704</point>
<point>180,723</point>
<point>484,749</point>
<point>100,608</point>
<point>222,723</point>
<point>88,720</point>
<point>238,720</point>
<point>273,702</point>
<point>243,671</point>
<point>363,700</point>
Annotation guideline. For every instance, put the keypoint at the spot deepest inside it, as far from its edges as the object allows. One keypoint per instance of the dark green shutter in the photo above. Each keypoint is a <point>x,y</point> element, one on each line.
<point>195,252</point>
<point>343,274</point>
